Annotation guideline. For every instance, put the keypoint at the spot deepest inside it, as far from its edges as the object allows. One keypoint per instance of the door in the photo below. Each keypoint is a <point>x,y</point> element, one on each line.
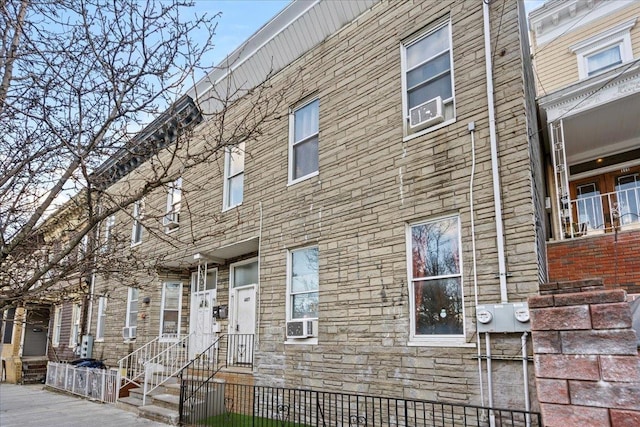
<point>202,325</point>
<point>242,328</point>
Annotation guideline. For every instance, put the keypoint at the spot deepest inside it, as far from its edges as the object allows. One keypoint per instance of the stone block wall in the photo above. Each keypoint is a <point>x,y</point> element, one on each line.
<point>586,356</point>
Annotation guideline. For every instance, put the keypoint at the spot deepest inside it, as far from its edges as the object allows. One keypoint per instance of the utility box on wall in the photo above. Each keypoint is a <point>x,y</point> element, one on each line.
<point>507,317</point>
<point>86,346</point>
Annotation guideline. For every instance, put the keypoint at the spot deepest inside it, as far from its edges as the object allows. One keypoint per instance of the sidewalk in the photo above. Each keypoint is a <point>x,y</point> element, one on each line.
<point>31,405</point>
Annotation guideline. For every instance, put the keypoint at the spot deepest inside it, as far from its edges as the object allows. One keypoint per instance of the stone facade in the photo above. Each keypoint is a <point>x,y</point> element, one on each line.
<point>586,357</point>
<point>373,182</point>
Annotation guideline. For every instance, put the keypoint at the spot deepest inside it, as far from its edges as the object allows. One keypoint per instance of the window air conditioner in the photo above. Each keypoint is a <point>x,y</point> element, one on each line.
<point>426,114</point>
<point>171,220</point>
<point>300,329</point>
<point>129,332</point>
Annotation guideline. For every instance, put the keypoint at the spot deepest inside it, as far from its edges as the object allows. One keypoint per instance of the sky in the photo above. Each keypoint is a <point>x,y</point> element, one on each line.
<point>241,18</point>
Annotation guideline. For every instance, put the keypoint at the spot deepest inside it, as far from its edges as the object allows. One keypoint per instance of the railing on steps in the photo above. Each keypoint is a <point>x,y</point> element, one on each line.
<point>131,367</point>
<point>165,365</point>
<point>198,387</point>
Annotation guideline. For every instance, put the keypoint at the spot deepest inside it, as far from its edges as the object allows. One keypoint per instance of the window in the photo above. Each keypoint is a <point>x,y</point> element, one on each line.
<point>170,314</point>
<point>427,79</point>
<point>303,284</point>
<point>108,233</point>
<point>303,137</point>
<point>57,326</point>
<point>9,317</point>
<point>604,51</point>
<point>244,274</point>
<point>171,220</point>
<point>131,320</point>
<point>102,315</point>
<point>233,176</point>
<point>74,337</point>
<point>136,230</point>
<point>435,279</point>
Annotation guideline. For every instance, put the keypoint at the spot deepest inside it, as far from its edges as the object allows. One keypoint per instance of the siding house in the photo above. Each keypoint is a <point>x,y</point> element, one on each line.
<point>396,192</point>
<point>586,59</point>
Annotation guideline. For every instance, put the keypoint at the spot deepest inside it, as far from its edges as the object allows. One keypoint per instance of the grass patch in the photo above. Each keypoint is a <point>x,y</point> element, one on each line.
<point>241,420</point>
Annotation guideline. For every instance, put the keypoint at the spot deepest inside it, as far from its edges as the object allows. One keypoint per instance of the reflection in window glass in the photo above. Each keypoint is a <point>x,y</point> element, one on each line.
<point>245,274</point>
<point>304,143</point>
<point>303,283</point>
<point>436,278</point>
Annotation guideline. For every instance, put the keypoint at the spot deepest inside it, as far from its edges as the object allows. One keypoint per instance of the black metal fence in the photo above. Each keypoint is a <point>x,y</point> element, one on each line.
<point>234,405</point>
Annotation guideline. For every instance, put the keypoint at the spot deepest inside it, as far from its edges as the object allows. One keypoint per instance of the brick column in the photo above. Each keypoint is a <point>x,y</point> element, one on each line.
<point>585,355</point>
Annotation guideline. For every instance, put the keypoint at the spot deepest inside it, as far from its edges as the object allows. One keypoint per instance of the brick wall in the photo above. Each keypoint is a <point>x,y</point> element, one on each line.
<point>586,358</point>
<point>616,262</point>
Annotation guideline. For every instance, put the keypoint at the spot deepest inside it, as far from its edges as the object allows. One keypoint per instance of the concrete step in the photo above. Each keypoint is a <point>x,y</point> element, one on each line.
<point>158,413</point>
<point>168,401</point>
<point>129,404</point>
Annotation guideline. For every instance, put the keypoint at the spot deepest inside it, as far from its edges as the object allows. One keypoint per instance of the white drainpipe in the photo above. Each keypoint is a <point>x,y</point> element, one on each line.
<point>502,269</point>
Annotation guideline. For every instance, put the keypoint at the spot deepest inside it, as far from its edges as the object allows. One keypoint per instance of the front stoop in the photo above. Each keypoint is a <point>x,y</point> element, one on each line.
<point>162,404</point>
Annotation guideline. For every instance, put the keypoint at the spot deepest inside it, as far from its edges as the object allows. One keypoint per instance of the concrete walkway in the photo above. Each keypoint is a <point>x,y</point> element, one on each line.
<point>32,405</point>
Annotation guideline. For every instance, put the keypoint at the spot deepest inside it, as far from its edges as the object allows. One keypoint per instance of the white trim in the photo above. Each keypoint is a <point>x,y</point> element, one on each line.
<point>293,142</point>
<point>137,217</point>
<point>101,316</point>
<point>57,326</point>
<point>288,307</point>
<point>448,102</point>
<point>227,178</point>
<point>162,310</point>
<point>433,340</point>
<point>616,36</point>
<point>232,290</point>
<point>74,334</point>
<point>127,319</point>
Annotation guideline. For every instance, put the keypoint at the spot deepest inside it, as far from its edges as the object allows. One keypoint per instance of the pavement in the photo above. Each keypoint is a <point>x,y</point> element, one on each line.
<point>32,405</point>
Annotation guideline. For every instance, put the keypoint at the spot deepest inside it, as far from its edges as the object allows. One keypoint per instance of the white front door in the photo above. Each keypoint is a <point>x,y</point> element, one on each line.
<point>242,327</point>
<point>202,325</point>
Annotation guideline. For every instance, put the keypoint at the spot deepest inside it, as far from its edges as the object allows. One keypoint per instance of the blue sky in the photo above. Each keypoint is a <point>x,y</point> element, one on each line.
<point>241,18</point>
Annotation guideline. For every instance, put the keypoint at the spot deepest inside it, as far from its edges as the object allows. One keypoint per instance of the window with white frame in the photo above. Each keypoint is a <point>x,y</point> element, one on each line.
<point>57,326</point>
<point>102,316</point>
<point>303,141</point>
<point>136,229</point>
<point>427,79</point>
<point>303,284</point>
<point>170,313</point>
<point>605,50</point>
<point>74,337</point>
<point>131,318</point>
<point>233,176</point>
<point>435,279</point>
<point>109,224</point>
<point>7,329</point>
<point>171,220</point>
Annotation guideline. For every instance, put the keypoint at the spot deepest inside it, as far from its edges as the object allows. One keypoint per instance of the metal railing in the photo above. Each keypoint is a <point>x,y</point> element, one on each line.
<point>95,383</point>
<point>131,367</point>
<point>199,390</point>
<point>165,365</point>
<point>601,213</point>
<point>235,405</point>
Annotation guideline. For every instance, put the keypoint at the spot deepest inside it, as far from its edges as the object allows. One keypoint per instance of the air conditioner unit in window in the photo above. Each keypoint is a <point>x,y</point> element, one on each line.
<point>300,328</point>
<point>171,220</point>
<point>426,114</point>
<point>129,332</point>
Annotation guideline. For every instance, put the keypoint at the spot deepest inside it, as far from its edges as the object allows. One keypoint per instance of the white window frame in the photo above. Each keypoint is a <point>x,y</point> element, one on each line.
<point>136,228</point>
<point>449,103</point>
<point>57,326</point>
<point>290,293</point>
<point>101,319</point>
<point>109,225</point>
<point>175,337</point>
<point>226,193</point>
<point>131,318</point>
<point>293,142</point>
<point>435,339</point>
<point>74,335</point>
<point>620,36</point>
<point>174,203</point>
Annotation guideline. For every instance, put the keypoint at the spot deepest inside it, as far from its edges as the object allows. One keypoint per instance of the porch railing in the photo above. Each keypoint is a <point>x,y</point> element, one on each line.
<point>165,365</point>
<point>235,405</point>
<point>198,387</point>
<point>601,213</point>
<point>94,383</point>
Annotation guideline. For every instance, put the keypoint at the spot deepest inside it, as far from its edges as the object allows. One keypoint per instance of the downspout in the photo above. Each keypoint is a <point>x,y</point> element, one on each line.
<point>502,269</point>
